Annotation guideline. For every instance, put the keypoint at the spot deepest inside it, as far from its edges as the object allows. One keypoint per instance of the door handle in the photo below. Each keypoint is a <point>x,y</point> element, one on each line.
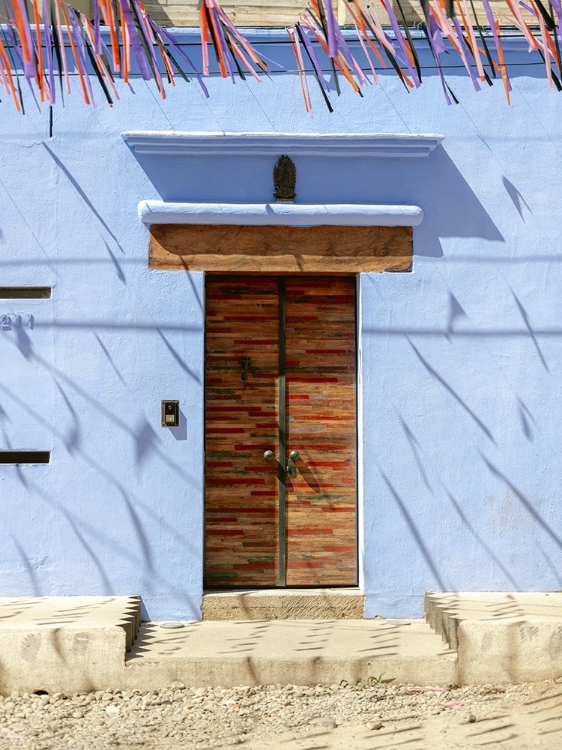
<point>245,365</point>
<point>291,465</point>
<point>268,455</point>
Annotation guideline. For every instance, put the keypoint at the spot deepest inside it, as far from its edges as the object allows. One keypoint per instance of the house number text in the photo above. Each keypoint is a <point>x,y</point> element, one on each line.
<point>15,320</point>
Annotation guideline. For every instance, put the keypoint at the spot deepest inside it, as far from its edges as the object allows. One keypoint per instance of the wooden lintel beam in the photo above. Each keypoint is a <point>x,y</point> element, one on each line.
<point>280,249</point>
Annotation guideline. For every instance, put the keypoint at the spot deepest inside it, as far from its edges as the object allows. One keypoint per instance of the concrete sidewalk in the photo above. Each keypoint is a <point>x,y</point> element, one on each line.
<point>74,644</point>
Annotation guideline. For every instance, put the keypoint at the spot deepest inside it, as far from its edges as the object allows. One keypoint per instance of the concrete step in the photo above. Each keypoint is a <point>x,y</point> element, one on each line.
<point>66,643</point>
<point>288,652</point>
<point>74,612</point>
<point>284,604</point>
<point>73,644</point>
<point>501,636</point>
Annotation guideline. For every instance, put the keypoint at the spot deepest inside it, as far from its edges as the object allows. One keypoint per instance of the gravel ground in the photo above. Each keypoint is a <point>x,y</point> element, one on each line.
<point>339,716</point>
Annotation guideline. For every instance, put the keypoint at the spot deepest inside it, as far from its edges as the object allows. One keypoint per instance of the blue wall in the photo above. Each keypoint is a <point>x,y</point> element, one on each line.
<point>461,359</point>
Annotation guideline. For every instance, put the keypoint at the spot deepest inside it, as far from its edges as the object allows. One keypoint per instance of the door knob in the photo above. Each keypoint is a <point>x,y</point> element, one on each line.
<point>268,455</point>
<point>291,465</point>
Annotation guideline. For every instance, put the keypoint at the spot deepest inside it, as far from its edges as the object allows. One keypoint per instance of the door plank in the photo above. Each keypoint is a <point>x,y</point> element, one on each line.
<point>321,378</point>
<point>241,422</point>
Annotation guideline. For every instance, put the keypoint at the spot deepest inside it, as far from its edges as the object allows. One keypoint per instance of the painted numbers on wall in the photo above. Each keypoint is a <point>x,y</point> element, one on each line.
<point>9,321</point>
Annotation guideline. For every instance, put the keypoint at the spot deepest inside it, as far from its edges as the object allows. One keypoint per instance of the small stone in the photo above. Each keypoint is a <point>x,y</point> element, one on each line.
<point>472,718</point>
<point>112,710</point>
<point>374,725</point>
<point>77,715</point>
<point>44,699</point>
<point>323,721</point>
<point>172,625</point>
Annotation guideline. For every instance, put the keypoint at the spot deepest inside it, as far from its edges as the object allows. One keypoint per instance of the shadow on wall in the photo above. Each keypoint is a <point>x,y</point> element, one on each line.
<point>451,208</point>
<point>454,211</point>
<point>423,481</point>
<point>442,573</point>
<point>98,542</point>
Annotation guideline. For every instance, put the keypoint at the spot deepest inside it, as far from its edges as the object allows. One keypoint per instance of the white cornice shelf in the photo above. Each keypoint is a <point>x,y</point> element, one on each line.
<point>280,214</point>
<point>344,145</point>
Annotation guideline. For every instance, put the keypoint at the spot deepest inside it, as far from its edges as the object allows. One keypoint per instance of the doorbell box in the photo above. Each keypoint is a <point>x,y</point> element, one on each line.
<point>170,413</point>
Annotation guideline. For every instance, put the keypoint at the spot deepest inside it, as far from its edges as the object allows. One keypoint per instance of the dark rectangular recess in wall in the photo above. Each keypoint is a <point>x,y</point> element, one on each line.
<point>25,292</point>
<point>25,457</point>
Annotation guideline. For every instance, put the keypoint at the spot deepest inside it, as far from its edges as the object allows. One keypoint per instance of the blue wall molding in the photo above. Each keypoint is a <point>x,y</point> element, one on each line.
<point>346,145</point>
<point>279,214</point>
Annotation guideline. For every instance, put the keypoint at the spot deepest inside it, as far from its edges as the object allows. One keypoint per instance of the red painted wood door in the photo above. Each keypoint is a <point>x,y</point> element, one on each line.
<point>280,376</point>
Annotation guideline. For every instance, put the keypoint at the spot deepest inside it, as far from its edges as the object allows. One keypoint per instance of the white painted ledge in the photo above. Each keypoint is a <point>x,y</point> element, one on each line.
<point>280,214</point>
<point>332,145</point>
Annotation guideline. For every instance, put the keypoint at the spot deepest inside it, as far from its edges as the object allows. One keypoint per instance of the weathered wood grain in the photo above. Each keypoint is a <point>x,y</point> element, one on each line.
<point>283,250</point>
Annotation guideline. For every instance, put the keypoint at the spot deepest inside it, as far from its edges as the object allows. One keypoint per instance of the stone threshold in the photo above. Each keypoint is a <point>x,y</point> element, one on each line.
<point>284,604</point>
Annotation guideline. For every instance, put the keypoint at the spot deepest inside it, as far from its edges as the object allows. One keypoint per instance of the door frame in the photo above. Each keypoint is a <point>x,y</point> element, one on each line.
<point>282,420</point>
<point>359,278</point>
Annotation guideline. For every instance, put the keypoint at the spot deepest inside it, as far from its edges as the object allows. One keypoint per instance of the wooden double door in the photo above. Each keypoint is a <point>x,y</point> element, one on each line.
<point>280,432</point>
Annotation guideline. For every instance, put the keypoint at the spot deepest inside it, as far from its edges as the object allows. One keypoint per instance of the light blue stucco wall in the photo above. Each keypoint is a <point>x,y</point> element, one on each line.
<point>461,389</point>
